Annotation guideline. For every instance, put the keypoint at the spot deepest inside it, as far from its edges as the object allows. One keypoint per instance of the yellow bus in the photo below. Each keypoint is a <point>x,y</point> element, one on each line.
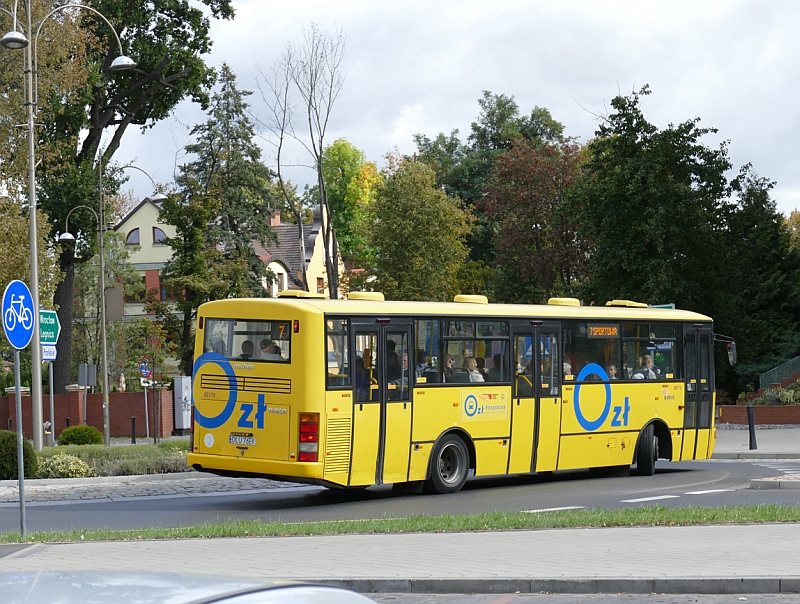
<point>359,392</point>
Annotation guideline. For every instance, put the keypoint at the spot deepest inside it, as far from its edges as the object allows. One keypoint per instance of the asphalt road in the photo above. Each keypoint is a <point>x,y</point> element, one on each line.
<point>708,483</point>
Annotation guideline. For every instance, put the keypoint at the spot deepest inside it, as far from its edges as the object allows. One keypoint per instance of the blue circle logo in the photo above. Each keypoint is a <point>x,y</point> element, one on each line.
<point>591,426</point>
<point>18,314</point>
<point>471,405</point>
<point>224,415</point>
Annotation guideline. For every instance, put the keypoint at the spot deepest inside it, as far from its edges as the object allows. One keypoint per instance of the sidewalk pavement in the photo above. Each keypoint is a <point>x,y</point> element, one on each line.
<point>729,559</point>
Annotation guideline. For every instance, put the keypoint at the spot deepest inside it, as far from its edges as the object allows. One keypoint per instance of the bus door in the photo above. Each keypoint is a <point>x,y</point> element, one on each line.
<point>699,395</point>
<point>382,407</point>
<point>536,394</point>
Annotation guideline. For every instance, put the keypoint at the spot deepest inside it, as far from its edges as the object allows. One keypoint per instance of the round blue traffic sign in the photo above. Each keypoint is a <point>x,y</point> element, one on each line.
<point>18,314</point>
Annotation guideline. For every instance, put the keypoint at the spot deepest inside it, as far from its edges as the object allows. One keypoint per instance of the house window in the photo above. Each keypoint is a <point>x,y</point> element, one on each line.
<point>132,238</point>
<point>320,285</point>
<point>281,282</point>
<point>158,236</point>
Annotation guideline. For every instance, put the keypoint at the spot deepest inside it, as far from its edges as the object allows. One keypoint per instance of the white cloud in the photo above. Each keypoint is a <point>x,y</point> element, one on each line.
<point>418,66</point>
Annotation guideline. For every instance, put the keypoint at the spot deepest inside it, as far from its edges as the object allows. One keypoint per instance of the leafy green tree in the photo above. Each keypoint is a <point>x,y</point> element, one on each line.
<point>665,225</point>
<point>540,249</point>
<point>654,210</point>
<point>227,167</point>
<point>168,40</point>
<point>352,184</point>
<point>197,271</point>
<point>418,236</point>
<point>87,333</point>
<point>463,168</point>
<point>762,307</point>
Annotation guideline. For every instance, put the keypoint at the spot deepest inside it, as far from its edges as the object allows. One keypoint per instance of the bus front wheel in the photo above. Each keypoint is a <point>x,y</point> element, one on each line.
<point>647,452</point>
<point>449,466</point>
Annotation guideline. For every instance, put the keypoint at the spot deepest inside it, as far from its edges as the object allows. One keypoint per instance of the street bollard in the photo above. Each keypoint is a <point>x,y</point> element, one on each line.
<point>133,430</point>
<point>67,422</point>
<point>751,424</point>
<point>10,425</point>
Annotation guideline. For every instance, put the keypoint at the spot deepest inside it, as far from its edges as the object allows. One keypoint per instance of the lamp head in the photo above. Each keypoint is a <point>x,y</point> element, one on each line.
<point>66,238</point>
<point>158,197</point>
<point>14,40</point>
<point>122,63</point>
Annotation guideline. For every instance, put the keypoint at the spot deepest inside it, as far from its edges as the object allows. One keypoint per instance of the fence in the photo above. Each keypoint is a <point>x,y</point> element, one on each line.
<point>774,376</point>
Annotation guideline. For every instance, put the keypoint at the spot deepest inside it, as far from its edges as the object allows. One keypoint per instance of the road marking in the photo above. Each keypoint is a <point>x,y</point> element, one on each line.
<point>564,509</point>
<point>709,491</point>
<point>650,498</point>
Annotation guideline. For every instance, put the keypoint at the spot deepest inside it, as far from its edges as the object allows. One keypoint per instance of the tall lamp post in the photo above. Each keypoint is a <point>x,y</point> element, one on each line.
<point>67,237</point>
<point>16,40</point>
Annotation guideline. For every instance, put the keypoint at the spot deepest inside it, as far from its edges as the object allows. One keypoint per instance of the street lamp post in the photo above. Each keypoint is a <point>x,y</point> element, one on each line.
<point>16,40</point>
<point>67,237</point>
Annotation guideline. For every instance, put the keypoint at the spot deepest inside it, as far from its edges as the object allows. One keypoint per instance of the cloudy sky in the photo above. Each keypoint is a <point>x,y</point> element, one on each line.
<point>420,66</point>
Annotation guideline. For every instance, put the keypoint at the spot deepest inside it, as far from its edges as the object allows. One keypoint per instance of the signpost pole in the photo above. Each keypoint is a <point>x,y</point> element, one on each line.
<point>23,529</point>
<point>52,406</point>
<point>146,418</point>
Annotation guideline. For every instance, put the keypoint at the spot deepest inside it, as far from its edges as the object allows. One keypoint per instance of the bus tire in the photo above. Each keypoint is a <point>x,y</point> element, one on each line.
<point>449,466</point>
<point>646,452</point>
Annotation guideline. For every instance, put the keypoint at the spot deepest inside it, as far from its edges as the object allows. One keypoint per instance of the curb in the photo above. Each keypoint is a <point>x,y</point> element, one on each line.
<point>783,485</point>
<point>752,455</point>
<point>676,585</point>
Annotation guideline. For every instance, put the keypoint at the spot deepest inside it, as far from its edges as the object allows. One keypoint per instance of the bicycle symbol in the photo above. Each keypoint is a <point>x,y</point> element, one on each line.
<point>18,312</point>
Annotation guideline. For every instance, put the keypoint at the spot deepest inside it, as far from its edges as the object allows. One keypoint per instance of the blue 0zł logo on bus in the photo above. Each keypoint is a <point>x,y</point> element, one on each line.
<point>252,415</point>
<point>620,412</point>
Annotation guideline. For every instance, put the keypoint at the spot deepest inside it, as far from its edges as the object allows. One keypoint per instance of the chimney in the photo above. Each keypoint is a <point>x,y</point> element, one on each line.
<point>275,219</point>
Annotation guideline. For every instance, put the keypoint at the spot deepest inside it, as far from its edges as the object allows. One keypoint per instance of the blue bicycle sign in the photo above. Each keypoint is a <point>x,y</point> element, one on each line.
<point>18,314</point>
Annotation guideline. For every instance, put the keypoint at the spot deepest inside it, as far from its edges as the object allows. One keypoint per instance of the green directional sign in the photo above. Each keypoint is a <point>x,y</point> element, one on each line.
<point>49,327</point>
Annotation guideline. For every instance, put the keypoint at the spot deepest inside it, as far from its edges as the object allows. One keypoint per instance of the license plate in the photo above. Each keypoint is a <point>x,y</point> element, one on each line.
<point>235,439</point>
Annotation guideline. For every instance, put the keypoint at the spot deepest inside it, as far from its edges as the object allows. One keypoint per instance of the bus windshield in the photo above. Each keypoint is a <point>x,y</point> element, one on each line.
<point>249,340</point>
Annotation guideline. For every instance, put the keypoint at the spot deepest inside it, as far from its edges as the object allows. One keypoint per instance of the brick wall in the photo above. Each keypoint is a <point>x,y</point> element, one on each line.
<point>764,414</point>
<point>122,406</point>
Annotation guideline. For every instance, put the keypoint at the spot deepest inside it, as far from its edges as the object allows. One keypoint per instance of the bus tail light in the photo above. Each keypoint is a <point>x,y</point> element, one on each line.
<point>308,447</point>
<point>296,326</point>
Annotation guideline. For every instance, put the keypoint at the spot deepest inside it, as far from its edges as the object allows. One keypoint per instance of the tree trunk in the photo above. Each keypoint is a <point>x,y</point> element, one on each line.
<point>63,299</point>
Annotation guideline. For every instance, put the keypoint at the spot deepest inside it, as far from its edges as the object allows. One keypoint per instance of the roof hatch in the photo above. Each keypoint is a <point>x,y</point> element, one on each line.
<point>471,299</point>
<point>373,296</point>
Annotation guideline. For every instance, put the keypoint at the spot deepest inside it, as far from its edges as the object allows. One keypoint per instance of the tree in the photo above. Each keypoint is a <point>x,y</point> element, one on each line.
<point>87,333</point>
<point>313,68</point>
<point>540,249</point>
<point>654,210</point>
<point>352,184</point>
<point>761,309</point>
<point>228,168</point>
<point>418,236</point>
<point>167,39</point>
<point>463,168</point>
<point>197,272</point>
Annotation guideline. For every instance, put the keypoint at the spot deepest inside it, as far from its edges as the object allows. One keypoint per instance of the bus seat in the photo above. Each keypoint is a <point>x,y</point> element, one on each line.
<point>460,376</point>
<point>431,376</point>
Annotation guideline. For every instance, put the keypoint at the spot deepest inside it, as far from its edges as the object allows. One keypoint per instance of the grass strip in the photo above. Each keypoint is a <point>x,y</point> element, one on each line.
<point>494,521</point>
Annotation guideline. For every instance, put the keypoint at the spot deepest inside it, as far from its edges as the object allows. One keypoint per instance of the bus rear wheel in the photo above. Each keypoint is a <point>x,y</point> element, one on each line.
<point>449,466</point>
<point>647,452</point>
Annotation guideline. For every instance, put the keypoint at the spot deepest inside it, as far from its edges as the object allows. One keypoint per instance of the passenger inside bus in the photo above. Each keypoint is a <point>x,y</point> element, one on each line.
<point>471,365</point>
<point>448,368</point>
<point>247,350</point>
<point>496,372</point>
<point>362,380</point>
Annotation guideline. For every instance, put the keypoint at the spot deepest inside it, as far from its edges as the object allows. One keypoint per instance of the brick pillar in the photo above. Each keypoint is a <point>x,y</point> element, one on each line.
<point>75,406</point>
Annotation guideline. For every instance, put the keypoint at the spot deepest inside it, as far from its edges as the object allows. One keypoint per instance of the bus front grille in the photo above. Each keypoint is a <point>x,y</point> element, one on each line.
<point>245,383</point>
<point>337,446</point>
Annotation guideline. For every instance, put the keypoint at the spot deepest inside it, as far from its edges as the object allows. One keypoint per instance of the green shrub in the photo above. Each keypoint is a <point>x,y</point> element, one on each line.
<point>80,435</point>
<point>64,465</point>
<point>8,457</point>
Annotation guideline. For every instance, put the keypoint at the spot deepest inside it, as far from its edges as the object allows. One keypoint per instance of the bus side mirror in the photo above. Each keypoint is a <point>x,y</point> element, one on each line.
<point>732,353</point>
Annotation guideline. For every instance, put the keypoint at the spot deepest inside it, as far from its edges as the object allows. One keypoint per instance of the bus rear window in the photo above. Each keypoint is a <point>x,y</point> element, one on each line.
<point>249,340</point>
